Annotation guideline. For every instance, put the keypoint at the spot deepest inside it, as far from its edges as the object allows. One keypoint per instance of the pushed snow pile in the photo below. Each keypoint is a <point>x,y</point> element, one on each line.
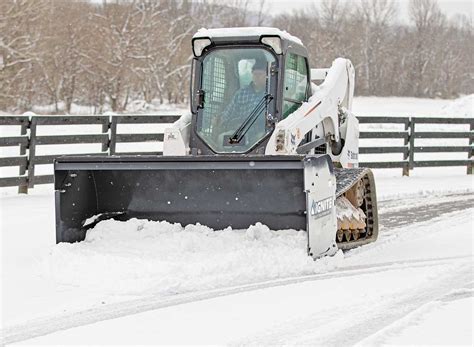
<point>158,257</point>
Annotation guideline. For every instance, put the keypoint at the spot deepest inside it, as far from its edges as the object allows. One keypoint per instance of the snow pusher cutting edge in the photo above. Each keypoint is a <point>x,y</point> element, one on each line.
<point>283,192</point>
<point>258,146</point>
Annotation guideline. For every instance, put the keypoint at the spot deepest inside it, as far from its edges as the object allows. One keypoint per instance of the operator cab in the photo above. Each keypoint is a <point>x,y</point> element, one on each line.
<point>244,80</point>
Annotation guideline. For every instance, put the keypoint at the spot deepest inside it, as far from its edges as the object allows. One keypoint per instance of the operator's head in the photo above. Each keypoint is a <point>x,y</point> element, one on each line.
<point>259,74</point>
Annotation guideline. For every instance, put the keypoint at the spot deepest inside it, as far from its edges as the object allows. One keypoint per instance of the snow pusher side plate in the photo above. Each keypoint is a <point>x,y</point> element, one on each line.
<point>217,191</point>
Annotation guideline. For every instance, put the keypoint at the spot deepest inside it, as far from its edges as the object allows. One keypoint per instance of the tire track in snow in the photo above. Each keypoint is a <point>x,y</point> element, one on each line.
<point>380,337</point>
<point>400,309</point>
<point>416,212</point>
<point>333,327</point>
<point>44,326</point>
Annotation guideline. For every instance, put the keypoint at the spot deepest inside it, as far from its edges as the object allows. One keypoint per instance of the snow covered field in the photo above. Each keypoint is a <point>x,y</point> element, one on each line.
<point>419,107</point>
<point>237,286</point>
<point>142,282</point>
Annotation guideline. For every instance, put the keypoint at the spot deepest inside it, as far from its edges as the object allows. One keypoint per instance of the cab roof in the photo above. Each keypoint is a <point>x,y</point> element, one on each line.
<point>249,35</point>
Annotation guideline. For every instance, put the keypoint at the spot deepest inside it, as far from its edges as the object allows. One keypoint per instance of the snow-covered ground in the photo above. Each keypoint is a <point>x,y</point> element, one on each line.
<point>413,107</point>
<point>204,281</point>
<point>141,282</point>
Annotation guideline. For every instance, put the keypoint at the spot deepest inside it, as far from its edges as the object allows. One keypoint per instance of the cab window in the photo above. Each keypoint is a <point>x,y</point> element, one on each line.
<point>296,83</point>
<point>235,82</point>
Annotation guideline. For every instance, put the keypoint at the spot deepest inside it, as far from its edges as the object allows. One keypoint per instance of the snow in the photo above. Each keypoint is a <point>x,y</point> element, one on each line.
<point>375,291</point>
<point>461,107</point>
<point>137,256</point>
<point>417,328</point>
<point>121,259</point>
<point>246,31</point>
<point>409,106</point>
<point>136,107</point>
<point>424,184</point>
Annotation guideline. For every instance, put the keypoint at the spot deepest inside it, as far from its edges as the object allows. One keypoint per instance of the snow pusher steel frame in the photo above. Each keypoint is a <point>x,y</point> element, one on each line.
<point>282,192</point>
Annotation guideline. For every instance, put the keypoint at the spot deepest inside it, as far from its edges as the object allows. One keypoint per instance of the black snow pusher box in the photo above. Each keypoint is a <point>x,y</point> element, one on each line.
<point>217,191</point>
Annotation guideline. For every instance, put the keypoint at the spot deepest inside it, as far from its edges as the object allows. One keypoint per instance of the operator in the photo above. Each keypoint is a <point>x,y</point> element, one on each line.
<point>245,99</point>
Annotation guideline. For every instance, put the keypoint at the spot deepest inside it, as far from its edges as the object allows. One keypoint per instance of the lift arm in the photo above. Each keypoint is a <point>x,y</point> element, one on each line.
<point>336,91</point>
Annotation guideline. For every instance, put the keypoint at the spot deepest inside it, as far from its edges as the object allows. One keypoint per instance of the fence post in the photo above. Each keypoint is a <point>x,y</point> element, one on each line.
<point>31,153</point>
<point>411,147</point>
<point>105,129</point>
<point>113,135</point>
<point>23,188</point>
<point>470,153</point>
<point>406,171</point>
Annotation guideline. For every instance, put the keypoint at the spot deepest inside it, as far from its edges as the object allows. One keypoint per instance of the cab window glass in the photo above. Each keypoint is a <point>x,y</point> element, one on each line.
<point>296,83</point>
<point>235,82</point>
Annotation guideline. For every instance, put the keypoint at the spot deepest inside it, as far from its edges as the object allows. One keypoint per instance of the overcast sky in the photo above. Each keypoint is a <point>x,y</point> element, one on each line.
<point>450,7</point>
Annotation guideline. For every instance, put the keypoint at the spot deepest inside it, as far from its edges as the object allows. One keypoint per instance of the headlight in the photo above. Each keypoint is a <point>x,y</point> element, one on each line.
<point>199,45</point>
<point>274,42</point>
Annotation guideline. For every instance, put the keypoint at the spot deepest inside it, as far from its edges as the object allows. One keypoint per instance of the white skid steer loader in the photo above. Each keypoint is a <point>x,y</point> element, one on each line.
<point>268,140</point>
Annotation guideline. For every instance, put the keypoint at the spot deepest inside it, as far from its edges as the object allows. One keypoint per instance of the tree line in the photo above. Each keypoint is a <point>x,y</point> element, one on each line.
<point>108,53</point>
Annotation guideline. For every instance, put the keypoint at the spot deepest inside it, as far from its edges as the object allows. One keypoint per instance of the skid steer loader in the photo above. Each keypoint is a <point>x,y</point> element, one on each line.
<point>268,140</point>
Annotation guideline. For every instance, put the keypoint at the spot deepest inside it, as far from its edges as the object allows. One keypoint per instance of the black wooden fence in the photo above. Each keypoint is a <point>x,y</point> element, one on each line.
<point>108,137</point>
<point>409,148</point>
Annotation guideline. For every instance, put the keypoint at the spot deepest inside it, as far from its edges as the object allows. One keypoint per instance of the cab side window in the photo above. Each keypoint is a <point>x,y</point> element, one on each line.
<point>296,83</point>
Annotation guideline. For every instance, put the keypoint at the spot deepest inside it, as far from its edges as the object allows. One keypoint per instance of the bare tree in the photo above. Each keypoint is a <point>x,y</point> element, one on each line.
<point>18,40</point>
<point>429,24</point>
<point>107,53</point>
<point>109,58</point>
<point>376,15</point>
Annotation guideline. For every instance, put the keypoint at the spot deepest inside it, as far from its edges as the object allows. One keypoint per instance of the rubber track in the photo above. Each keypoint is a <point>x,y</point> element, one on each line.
<point>346,178</point>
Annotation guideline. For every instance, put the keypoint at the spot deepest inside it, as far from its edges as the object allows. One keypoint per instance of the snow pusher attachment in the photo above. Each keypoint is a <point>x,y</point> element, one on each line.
<point>283,192</point>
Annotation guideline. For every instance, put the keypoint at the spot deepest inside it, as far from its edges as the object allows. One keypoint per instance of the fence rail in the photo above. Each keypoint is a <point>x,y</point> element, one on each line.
<point>108,137</point>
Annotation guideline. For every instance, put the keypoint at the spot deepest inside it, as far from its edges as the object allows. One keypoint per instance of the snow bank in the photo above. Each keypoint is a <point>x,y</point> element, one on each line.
<point>139,255</point>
